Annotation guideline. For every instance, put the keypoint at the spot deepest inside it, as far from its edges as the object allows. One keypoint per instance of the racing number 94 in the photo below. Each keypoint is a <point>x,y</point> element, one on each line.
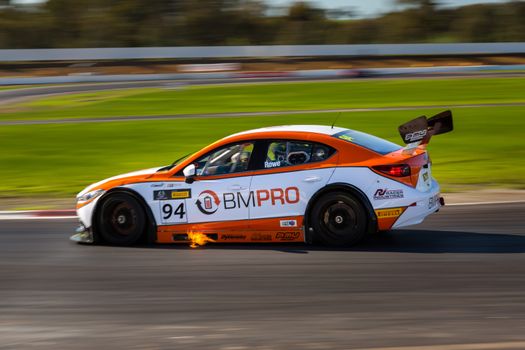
<point>173,211</point>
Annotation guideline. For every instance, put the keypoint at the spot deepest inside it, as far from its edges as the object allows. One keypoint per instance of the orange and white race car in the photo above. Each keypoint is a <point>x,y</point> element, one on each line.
<point>299,183</point>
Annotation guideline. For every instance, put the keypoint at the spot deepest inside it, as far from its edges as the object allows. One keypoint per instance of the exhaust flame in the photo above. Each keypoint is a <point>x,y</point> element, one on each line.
<point>198,239</point>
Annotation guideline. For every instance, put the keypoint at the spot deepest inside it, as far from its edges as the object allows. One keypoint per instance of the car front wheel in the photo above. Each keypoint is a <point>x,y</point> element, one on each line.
<point>121,219</point>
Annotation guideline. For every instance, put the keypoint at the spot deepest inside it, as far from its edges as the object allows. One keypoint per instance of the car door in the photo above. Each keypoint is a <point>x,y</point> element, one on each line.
<point>222,180</point>
<point>293,171</point>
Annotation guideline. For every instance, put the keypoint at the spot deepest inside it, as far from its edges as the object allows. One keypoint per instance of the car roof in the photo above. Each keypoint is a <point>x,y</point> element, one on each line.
<point>316,129</point>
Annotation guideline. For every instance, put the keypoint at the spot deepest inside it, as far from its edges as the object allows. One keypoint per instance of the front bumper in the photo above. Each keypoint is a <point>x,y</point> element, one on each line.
<point>84,232</point>
<point>82,235</point>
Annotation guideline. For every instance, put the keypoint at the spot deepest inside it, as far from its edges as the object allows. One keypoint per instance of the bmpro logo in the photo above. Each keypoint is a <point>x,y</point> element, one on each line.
<point>208,202</point>
<point>263,197</point>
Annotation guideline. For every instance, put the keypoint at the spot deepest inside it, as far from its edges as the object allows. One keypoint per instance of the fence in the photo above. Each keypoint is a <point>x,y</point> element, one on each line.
<point>260,51</point>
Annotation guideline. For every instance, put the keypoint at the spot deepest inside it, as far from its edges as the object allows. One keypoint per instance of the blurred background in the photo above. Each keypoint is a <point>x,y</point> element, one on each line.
<point>116,23</point>
<point>90,89</point>
<point>94,88</point>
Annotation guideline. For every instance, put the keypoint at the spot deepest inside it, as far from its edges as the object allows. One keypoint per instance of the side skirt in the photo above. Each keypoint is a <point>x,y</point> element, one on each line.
<point>271,230</point>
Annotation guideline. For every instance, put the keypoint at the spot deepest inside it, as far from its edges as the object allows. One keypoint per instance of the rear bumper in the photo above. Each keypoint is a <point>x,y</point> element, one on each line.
<point>425,204</point>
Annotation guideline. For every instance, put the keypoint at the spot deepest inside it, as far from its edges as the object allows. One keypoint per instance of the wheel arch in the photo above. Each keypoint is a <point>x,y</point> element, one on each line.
<point>151,231</point>
<point>345,188</point>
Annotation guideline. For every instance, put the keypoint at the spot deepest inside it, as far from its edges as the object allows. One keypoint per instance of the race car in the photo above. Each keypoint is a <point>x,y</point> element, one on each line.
<point>297,183</point>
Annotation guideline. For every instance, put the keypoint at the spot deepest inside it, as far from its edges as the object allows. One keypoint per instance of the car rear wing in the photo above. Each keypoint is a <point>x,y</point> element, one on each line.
<point>418,132</point>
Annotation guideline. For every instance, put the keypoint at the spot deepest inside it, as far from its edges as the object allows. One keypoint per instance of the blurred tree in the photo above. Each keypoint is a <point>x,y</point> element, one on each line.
<point>474,23</point>
<point>303,11</point>
<point>304,24</point>
<point>427,5</point>
<point>421,18</point>
<point>340,13</point>
<point>64,21</point>
<point>104,23</point>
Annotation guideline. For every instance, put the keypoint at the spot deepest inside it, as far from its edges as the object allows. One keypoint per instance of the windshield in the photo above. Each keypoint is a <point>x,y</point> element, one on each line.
<point>176,162</point>
<point>373,143</point>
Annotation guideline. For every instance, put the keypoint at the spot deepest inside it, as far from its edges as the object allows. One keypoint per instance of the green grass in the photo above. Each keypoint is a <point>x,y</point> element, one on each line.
<point>272,97</point>
<point>485,149</point>
<point>15,87</point>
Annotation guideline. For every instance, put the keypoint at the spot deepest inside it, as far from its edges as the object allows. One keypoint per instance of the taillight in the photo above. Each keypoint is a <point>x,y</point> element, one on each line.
<point>396,170</point>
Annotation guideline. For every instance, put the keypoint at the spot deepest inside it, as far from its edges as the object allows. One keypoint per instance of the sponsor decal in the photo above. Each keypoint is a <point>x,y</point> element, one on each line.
<point>389,213</point>
<point>261,237</point>
<point>232,237</point>
<point>425,176</point>
<point>157,184</point>
<point>171,194</point>
<point>270,164</point>
<point>288,223</point>
<point>287,236</point>
<point>180,194</point>
<point>346,138</point>
<point>416,135</point>
<point>384,193</point>
<point>433,201</point>
<point>208,202</point>
<point>160,195</point>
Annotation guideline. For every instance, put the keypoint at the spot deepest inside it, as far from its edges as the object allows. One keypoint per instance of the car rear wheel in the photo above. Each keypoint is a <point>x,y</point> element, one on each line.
<point>121,219</point>
<point>338,219</point>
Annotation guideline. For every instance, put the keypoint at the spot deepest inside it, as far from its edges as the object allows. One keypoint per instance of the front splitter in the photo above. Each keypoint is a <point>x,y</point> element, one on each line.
<point>82,235</point>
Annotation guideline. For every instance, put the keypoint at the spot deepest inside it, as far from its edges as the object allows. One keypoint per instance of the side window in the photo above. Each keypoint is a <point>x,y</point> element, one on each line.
<point>230,159</point>
<point>321,152</point>
<point>287,153</point>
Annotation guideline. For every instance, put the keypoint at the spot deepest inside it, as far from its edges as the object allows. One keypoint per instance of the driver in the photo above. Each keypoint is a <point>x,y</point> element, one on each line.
<point>244,159</point>
<point>277,152</point>
<point>239,161</point>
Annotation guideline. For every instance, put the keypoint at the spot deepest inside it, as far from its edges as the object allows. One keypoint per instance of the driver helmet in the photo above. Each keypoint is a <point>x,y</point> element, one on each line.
<point>278,150</point>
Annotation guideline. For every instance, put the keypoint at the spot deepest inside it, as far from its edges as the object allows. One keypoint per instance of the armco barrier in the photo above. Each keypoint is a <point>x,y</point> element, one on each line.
<point>260,51</point>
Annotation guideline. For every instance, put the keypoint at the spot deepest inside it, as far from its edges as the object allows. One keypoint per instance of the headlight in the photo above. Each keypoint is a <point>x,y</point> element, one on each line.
<point>90,195</point>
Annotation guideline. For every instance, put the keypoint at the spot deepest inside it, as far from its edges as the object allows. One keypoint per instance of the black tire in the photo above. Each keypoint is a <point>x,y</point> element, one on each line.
<point>121,220</point>
<point>338,219</point>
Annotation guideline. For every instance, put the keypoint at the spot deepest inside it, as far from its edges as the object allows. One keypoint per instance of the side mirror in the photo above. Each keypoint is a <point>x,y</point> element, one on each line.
<point>189,173</point>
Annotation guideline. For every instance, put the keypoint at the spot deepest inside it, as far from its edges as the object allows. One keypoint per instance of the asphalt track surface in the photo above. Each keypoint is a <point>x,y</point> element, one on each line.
<point>22,94</point>
<point>31,92</point>
<point>455,282</point>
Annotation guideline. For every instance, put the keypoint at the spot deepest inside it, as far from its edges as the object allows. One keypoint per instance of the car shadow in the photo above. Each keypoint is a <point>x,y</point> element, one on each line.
<point>401,241</point>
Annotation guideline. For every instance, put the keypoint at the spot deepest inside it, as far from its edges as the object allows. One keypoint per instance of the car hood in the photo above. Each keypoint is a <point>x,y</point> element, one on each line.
<point>135,175</point>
